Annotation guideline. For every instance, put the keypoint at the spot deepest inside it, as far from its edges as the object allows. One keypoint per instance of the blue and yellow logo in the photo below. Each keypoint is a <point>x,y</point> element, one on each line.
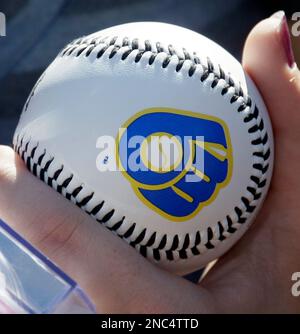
<point>176,161</point>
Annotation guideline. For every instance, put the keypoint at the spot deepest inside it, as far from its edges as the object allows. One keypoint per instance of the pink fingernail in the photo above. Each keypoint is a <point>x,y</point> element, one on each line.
<point>285,37</point>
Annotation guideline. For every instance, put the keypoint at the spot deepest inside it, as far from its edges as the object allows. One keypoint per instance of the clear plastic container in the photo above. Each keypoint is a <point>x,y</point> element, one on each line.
<point>31,283</point>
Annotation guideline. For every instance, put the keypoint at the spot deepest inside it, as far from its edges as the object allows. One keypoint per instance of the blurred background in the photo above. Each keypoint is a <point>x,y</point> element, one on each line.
<point>37,29</point>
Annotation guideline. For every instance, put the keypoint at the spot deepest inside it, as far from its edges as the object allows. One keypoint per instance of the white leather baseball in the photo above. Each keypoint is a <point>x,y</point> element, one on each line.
<point>101,82</point>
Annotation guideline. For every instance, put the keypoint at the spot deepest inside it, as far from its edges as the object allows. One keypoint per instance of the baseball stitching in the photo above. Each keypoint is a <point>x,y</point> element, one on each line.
<point>190,244</point>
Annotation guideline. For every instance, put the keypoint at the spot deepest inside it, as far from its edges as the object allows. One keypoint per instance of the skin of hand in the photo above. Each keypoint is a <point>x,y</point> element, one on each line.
<point>253,277</point>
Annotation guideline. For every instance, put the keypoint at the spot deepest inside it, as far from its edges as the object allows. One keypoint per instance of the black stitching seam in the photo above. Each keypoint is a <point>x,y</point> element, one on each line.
<point>77,48</point>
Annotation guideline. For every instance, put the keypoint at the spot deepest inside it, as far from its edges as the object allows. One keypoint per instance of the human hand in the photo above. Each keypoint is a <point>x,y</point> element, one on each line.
<point>255,276</point>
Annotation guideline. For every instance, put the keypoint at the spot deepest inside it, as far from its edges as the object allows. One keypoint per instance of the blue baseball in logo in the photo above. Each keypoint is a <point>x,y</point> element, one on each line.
<point>176,161</point>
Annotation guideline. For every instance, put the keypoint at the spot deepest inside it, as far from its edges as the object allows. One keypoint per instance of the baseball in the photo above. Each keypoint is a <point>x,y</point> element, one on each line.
<point>158,134</point>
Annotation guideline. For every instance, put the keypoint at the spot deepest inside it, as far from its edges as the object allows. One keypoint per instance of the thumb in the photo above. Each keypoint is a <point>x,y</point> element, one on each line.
<point>268,58</point>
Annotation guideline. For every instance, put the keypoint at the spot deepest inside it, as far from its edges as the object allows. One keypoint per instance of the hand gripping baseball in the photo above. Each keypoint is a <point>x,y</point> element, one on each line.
<point>257,270</point>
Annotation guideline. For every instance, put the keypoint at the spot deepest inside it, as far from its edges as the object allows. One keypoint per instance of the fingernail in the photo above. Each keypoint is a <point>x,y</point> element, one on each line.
<point>284,32</point>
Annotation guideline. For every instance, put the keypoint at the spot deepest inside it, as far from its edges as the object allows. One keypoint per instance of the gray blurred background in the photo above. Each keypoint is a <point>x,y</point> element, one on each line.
<point>38,29</point>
